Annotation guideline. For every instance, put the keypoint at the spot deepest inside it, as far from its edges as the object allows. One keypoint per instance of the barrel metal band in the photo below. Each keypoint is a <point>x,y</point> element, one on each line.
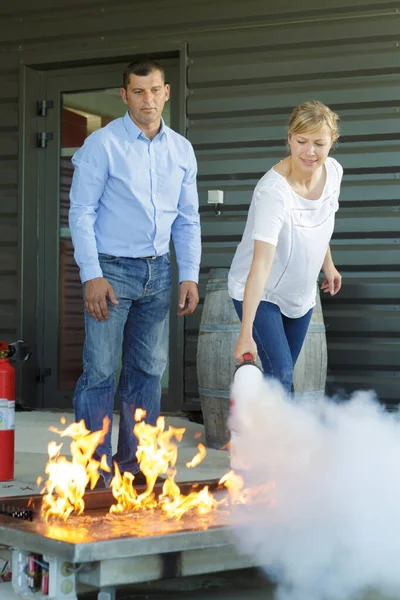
<point>216,393</point>
<point>216,287</point>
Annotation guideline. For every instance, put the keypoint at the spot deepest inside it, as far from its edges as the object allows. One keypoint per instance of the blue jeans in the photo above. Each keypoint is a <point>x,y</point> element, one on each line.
<point>138,325</point>
<point>279,340</point>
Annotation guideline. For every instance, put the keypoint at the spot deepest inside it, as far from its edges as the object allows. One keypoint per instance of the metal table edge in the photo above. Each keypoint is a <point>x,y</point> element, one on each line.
<point>150,545</point>
<point>16,537</point>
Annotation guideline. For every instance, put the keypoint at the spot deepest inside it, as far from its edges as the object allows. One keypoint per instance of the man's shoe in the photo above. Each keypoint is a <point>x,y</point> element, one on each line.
<point>100,485</point>
<point>140,479</point>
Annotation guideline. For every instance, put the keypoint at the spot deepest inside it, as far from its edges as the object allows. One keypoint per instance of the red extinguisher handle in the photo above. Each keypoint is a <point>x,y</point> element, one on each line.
<point>248,357</point>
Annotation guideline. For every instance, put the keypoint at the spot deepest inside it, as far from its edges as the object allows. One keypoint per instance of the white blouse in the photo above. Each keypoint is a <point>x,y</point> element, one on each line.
<point>300,229</point>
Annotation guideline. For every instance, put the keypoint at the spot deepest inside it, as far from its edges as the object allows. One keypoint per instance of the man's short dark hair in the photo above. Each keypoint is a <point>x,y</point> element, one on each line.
<point>142,68</point>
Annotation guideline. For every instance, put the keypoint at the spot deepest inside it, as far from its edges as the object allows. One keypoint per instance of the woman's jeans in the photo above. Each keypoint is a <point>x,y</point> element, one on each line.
<point>138,325</point>
<point>279,340</point>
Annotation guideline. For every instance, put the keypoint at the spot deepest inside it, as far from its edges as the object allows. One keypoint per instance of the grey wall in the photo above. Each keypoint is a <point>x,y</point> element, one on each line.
<point>9,268</point>
<point>249,64</point>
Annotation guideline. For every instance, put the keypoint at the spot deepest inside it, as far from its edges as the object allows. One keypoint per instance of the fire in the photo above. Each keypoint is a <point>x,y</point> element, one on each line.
<point>234,484</point>
<point>157,455</point>
<point>175,505</point>
<point>157,452</point>
<point>198,458</point>
<point>67,480</point>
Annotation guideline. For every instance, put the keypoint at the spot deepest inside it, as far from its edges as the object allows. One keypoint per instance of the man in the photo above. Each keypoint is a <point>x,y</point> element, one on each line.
<point>134,187</point>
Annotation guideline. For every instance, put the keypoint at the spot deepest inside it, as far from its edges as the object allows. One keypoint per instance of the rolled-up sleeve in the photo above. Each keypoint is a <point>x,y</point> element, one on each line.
<point>269,214</point>
<point>186,233</point>
<point>89,179</point>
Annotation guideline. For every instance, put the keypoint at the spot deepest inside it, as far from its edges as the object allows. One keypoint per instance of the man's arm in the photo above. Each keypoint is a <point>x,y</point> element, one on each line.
<point>88,182</point>
<point>186,236</point>
<point>90,176</point>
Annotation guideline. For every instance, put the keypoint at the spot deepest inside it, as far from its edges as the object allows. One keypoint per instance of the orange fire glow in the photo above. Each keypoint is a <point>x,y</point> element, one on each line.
<point>157,456</point>
<point>198,458</point>
<point>67,480</point>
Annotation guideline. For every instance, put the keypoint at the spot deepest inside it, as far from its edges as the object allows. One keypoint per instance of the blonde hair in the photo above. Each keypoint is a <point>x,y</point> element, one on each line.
<point>311,116</point>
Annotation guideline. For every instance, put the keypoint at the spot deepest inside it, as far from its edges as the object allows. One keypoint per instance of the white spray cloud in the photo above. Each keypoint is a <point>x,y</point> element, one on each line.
<point>333,529</point>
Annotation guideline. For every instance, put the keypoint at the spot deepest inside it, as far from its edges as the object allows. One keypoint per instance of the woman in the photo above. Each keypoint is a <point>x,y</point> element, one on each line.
<point>272,279</point>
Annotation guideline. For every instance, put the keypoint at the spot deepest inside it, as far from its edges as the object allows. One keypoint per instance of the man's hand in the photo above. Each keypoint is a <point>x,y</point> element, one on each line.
<point>96,292</point>
<point>188,298</point>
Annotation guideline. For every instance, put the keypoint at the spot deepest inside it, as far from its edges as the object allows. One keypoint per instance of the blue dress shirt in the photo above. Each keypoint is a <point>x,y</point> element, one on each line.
<point>130,194</point>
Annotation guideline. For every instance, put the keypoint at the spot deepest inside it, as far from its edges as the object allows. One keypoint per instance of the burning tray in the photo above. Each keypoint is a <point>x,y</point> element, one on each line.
<point>105,550</point>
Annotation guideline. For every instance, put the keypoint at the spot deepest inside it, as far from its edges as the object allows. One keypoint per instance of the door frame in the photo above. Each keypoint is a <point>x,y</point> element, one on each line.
<point>36,185</point>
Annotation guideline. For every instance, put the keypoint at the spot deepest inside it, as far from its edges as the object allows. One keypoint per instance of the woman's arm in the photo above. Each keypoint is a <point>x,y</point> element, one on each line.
<point>255,284</point>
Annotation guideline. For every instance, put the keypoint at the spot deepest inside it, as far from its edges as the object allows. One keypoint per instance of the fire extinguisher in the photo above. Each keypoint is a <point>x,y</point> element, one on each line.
<point>247,375</point>
<point>18,352</point>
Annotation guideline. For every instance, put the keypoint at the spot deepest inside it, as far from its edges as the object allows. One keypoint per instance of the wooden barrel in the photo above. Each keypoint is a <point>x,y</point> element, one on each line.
<point>311,366</point>
<point>219,330</point>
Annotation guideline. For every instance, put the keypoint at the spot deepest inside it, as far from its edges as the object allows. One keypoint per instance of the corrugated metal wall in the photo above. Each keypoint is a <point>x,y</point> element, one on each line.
<point>9,255</point>
<point>249,64</point>
<point>243,86</point>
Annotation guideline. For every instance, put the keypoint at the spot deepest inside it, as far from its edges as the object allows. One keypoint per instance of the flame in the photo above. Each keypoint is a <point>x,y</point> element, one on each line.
<point>67,480</point>
<point>234,484</point>
<point>175,505</point>
<point>104,466</point>
<point>140,414</point>
<point>198,458</point>
<point>126,495</point>
<point>157,454</point>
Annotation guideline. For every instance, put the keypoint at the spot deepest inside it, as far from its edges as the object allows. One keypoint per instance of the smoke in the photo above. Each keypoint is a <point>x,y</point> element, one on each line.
<point>328,526</point>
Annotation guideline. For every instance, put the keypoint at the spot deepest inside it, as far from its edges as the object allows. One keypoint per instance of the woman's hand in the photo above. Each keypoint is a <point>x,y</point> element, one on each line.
<point>333,280</point>
<point>245,345</point>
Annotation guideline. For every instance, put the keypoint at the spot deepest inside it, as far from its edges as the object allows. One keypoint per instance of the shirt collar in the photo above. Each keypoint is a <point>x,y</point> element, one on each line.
<point>163,128</point>
<point>135,131</point>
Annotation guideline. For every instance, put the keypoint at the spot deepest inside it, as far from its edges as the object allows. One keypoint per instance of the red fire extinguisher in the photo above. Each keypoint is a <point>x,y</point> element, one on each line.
<point>18,351</point>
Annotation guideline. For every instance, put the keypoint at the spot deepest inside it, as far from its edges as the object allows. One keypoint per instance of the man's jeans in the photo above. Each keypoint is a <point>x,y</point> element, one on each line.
<point>138,324</point>
<point>279,340</point>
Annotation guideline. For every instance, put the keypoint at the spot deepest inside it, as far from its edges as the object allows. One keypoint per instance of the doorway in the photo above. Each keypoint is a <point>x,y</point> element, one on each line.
<point>77,102</point>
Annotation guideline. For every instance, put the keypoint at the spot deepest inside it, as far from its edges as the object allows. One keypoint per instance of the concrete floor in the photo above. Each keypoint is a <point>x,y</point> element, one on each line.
<point>236,585</point>
<point>33,435</point>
